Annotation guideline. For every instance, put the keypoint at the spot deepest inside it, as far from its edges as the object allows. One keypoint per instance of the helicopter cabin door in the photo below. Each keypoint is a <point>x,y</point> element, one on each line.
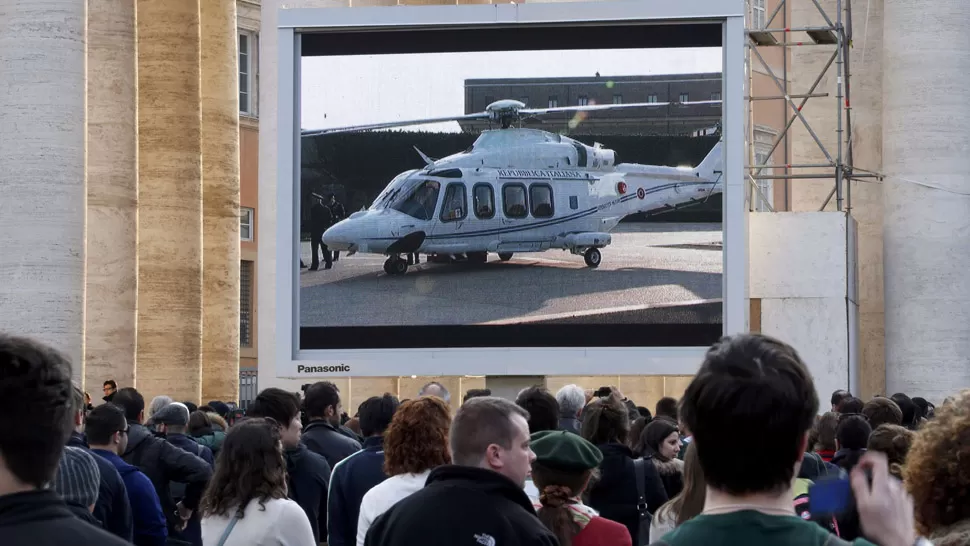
<point>527,208</point>
<point>452,220</point>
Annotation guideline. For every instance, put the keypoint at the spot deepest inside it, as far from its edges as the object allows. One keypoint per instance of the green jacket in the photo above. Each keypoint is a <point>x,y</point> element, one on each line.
<point>213,440</point>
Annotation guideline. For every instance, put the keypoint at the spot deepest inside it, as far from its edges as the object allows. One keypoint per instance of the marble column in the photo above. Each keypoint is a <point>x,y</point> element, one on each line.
<point>220,201</point>
<point>42,174</point>
<point>169,200</point>
<point>112,223</point>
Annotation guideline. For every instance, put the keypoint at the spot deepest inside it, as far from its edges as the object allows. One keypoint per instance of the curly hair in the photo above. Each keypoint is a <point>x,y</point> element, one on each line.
<point>250,466</point>
<point>417,438</point>
<point>937,474</point>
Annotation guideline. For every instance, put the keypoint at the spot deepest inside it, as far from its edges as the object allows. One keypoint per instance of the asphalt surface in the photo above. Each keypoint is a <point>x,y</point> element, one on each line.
<point>651,273</point>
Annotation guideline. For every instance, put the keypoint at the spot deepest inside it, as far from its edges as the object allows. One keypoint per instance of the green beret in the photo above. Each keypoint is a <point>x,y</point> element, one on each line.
<point>565,451</point>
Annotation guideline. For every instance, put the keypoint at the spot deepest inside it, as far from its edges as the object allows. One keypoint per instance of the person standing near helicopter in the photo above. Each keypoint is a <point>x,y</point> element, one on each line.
<point>320,219</point>
<point>337,213</point>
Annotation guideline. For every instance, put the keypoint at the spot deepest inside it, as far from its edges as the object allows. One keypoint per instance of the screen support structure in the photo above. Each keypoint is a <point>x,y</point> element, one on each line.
<point>291,362</point>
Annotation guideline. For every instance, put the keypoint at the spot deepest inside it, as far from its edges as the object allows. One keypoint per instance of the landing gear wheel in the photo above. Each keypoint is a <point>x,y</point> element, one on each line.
<point>477,257</point>
<point>505,256</point>
<point>592,257</point>
<point>395,266</point>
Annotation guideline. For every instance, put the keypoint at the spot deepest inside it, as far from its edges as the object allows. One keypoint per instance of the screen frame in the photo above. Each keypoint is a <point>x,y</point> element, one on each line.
<point>292,362</point>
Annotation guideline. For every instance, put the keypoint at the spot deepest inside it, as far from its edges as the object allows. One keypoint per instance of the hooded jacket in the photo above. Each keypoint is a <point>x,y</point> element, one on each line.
<point>40,518</point>
<point>324,439</point>
<point>309,478</point>
<point>462,506</point>
<point>211,439</point>
<point>112,508</point>
<point>150,526</point>
<point>352,478</point>
<point>615,495</point>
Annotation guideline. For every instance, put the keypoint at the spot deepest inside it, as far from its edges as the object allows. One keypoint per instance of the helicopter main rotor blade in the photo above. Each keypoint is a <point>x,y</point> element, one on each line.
<point>599,107</point>
<point>391,124</point>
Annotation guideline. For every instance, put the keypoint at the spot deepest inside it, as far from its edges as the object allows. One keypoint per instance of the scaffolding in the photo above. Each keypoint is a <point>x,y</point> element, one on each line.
<point>834,34</point>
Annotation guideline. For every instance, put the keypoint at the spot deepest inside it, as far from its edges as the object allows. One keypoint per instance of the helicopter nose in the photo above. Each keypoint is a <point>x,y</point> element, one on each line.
<point>340,236</point>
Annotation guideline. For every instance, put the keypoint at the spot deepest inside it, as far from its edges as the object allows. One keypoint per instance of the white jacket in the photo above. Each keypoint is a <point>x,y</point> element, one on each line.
<point>385,495</point>
<point>282,523</point>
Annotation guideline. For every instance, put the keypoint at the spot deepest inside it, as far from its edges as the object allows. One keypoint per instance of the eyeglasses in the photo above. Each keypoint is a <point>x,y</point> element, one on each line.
<point>125,430</point>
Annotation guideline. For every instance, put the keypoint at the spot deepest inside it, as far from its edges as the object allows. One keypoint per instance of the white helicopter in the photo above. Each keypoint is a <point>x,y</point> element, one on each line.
<point>515,190</point>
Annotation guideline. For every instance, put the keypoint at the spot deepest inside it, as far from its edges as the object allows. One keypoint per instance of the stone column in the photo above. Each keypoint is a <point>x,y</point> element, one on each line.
<point>169,200</point>
<point>42,174</point>
<point>925,141</point>
<point>220,201</point>
<point>112,224</point>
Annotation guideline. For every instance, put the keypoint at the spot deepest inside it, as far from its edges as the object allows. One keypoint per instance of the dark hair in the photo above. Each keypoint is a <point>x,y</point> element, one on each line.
<point>606,420</point>
<point>479,423</point>
<point>923,407</point>
<point>110,383</point>
<point>376,413</point>
<point>131,401</point>
<point>103,422</point>
<point>417,439</point>
<point>249,466</point>
<point>667,406</point>
<point>476,393</point>
<point>199,424</point>
<point>760,383</point>
<point>827,426</point>
<point>644,412</point>
<point>35,408</point>
<point>690,501</point>
<point>851,405</point>
<point>603,392</point>
<point>319,397</point>
<point>277,404</point>
<point>853,432</point>
<point>908,408</point>
<point>542,407</point>
<point>882,411</point>
<point>191,407</point>
<point>207,409</point>
<point>838,396</point>
<point>636,429</point>
<point>894,441</point>
<point>653,435</point>
<point>556,487</point>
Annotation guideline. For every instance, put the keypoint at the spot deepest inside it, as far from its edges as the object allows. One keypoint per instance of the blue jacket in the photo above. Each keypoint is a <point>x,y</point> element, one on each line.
<point>351,479</point>
<point>112,509</point>
<point>151,528</point>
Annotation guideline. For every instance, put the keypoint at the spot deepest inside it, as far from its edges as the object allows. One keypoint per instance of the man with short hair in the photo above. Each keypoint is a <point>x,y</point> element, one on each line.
<point>882,411</point>
<point>322,434</point>
<point>837,398</point>
<point>36,418</point>
<point>171,423</point>
<point>478,499</point>
<point>666,407</point>
<point>354,476</point>
<point>337,213</point>
<point>436,389</point>
<point>542,407</point>
<point>851,405</point>
<point>308,474</point>
<point>909,409</point>
<point>571,400</point>
<point>109,388</point>
<point>758,386</point>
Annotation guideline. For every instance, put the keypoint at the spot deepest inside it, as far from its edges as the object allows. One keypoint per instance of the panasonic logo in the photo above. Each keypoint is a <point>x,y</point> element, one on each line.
<point>322,369</point>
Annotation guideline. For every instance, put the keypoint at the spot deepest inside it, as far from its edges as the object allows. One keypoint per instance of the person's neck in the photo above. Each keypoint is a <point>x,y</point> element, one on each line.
<point>109,449</point>
<point>10,485</point>
<point>773,503</point>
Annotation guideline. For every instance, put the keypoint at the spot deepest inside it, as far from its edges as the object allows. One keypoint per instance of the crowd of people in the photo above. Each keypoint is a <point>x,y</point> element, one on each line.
<point>742,458</point>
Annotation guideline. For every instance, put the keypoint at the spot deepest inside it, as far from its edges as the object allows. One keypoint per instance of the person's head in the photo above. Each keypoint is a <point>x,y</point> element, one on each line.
<point>436,389</point>
<point>882,411</point>
<point>644,412</point>
<point>937,471</point>
<point>851,405</point>
<point>221,408</point>
<point>564,463</point>
<point>156,405</point>
<point>87,398</point>
<point>78,478</point>
<point>827,425</point>
<point>690,501</point>
<point>606,420</point>
<point>908,408</point>
<point>250,466</point>
<point>492,433</point>
<point>924,407</point>
<point>894,441</point>
<point>110,387</point>
<point>837,398</point>
<point>603,392</point>
<point>666,407</point>
<point>853,432</point>
<point>199,423</point>
<point>636,429</point>
<point>376,413</point>
<point>107,428</point>
<point>132,402</point>
<point>417,438</point>
<point>190,406</point>
<point>284,408</point>
<point>660,439</point>
<point>542,407</point>
<point>36,412</point>
<point>322,402</point>
<point>476,393</point>
<point>758,383</point>
<point>78,408</point>
<point>218,423</point>
<point>571,400</point>
<point>172,419</point>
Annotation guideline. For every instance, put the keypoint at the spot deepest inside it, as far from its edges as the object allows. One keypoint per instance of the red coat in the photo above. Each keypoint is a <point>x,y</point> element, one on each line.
<point>603,532</point>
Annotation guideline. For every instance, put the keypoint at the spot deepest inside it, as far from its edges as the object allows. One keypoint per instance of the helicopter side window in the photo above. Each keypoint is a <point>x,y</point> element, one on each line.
<point>420,202</point>
<point>483,197</point>
<point>573,202</point>
<point>541,197</point>
<point>514,201</point>
<point>454,207</point>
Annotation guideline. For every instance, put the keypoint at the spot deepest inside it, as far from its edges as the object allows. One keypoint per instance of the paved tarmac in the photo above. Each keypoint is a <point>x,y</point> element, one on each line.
<point>651,273</point>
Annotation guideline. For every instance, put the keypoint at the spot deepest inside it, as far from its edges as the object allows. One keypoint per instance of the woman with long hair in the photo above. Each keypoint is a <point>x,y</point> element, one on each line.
<point>659,444</point>
<point>416,442</point>
<point>245,502</point>
<point>687,504</point>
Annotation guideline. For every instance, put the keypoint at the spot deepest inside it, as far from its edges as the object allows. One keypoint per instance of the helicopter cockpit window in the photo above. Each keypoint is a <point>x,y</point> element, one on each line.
<point>483,198</point>
<point>541,197</point>
<point>454,207</point>
<point>420,201</point>
<point>514,201</point>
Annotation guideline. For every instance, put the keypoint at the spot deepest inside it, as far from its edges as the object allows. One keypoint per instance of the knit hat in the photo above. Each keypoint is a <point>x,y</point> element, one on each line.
<point>78,478</point>
<point>175,414</point>
<point>565,451</point>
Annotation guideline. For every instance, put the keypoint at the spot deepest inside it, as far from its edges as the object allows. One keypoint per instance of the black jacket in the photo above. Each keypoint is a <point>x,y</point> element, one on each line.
<point>164,463</point>
<point>40,518</point>
<point>309,479</point>
<point>615,495</point>
<point>324,439</point>
<point>338,212</point>
<point>193,529</point>
<point>320,219</point>
<point>671,474</point>
<point>351,479</point>
<point>462,506</point>
<point>112,508</point>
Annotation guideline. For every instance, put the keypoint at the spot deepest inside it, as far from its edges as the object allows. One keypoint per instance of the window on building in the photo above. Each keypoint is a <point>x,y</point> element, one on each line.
<point>484,200</point>
<point>541,197</point>
<point>245,303</point>
<point>651,98</point>
<point>247,51</point>
<point>715,96</point>
<point>583,100</point>
<point>246,223</point>
<point>758,14</point>
<point>684,97</point>
<point>764,194</point>
<point>454,207</point>
<point>617,99</point>
<point>514,201</point>
<point>553,101</point>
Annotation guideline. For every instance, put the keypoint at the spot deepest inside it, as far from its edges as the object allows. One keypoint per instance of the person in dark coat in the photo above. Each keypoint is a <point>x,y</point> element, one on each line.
<point>479,499</point>
<point>36,417</point>
<point>354,476</point>
<point>109,388</point>
<point>571,399</point>
<point>320,219</point>
<point>172,422</point>
<point>659,444</point>
<point>77,481</point>
<point>338,213</point>
<point>322,435</point>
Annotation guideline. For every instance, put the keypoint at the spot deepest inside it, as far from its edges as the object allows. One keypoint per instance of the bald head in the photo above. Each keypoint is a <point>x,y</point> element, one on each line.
<point>436,389</point>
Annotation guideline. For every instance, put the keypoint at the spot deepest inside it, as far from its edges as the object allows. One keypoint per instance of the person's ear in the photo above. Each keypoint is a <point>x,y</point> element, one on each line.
<point>493,456</point>
<point>802,446</point>
<point>141,416</point>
